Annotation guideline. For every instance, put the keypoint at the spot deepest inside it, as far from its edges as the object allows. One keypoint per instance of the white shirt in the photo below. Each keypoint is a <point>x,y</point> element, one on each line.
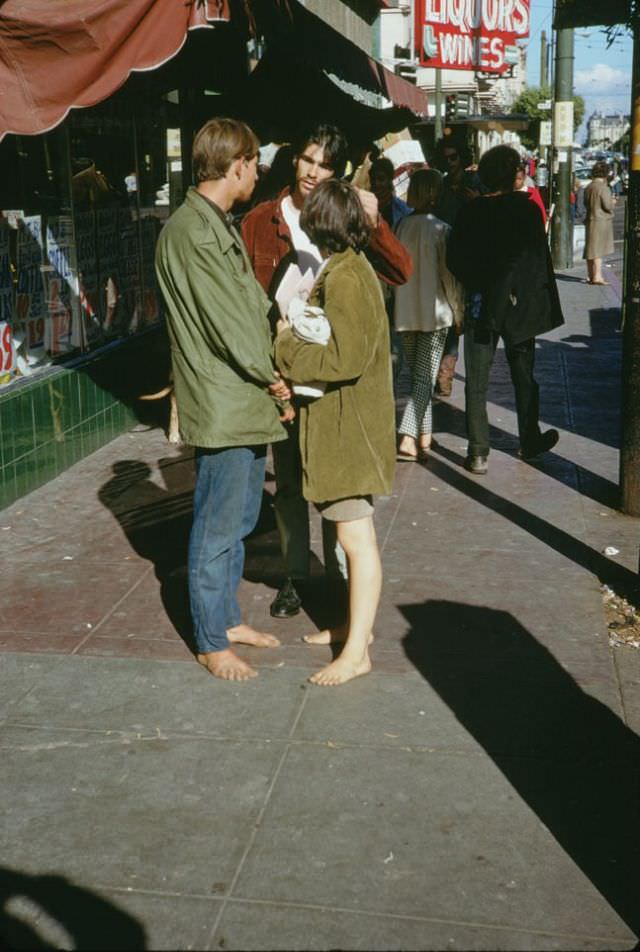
<point>432,298</point>
<point>308,254</point>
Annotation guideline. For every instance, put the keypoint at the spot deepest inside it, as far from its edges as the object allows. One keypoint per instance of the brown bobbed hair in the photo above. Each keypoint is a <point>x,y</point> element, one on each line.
<point>333,217</point>
<point>600,170</point>
<point>219,143</point>
<point>425,188</point>
<point>498,167</point>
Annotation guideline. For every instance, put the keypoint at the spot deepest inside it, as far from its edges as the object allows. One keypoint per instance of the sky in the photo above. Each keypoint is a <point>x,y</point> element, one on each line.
<point>601,76</point>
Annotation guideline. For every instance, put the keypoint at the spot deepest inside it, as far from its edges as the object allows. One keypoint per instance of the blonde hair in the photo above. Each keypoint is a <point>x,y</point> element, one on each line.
<point>219,143</point>
<point>425,186</point>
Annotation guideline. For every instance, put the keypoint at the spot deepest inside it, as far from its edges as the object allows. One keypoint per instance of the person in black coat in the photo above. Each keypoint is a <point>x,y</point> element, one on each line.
<point>498,250</point>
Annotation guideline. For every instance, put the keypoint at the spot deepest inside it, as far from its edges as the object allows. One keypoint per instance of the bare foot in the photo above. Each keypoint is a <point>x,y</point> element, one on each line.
<point>340,671</point>
<point>245,635</point>
<point>226,665</point>
<point>330,636</point>
<point>407,447</point>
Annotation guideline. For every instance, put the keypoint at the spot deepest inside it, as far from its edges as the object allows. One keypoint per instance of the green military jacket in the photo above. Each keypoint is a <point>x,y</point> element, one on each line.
<point>347,436</point>
<point>220,336</point>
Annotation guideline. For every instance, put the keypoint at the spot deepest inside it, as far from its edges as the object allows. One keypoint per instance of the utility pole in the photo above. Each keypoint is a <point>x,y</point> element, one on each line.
<point>544,53</point>
<point>630,402</point>
<point>438,99</point>
<point>561,224</point>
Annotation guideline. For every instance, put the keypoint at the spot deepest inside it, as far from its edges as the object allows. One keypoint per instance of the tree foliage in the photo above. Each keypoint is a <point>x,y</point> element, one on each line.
<point>528,103</point>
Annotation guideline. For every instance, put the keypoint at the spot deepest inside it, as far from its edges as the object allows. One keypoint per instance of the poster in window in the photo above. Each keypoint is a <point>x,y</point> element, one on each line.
<point>30,300</point>
<point>59,282</point>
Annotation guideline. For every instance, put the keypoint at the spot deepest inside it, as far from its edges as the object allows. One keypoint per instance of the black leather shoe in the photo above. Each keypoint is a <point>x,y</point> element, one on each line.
<point>545,442</point>
<point>477,464</point>
<point>287,602</point>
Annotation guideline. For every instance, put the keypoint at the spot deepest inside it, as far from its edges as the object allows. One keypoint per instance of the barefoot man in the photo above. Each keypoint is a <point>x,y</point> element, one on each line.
<point>226,388</point>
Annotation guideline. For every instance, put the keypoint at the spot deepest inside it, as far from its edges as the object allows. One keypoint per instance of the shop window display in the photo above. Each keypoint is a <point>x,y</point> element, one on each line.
<point>78,227</point>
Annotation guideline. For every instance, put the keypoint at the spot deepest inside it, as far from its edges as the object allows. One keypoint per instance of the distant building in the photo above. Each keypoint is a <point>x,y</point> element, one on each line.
<point>603,131</point>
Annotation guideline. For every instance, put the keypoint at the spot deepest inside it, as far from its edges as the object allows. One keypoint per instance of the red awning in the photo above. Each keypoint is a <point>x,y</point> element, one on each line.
<point>59,54</point>
<point>300,36</point>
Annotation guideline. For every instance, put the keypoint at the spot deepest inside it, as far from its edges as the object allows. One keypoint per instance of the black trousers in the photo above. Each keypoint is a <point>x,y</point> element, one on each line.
<point>479,350</point>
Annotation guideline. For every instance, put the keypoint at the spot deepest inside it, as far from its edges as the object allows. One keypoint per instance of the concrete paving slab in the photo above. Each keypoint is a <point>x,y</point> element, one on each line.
<point>146,812</point>
<point>70,597</point>
<point>268,925</point>
<point>19,676</point>
<point>406,834</point>
<point>383,711</point>
<point>132,696</point>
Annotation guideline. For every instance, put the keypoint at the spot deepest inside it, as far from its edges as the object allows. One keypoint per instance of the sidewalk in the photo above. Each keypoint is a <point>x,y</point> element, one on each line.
<point>479,790</point>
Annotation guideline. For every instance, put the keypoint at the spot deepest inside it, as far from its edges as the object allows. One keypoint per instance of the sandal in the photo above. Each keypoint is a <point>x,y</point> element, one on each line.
<point>406,457</point>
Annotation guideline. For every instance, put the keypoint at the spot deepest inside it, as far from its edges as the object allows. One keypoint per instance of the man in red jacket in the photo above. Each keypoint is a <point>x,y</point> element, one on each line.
<point>274,240</point>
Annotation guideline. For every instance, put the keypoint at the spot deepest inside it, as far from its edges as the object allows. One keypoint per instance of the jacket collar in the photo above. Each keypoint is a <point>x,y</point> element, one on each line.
<point>225,236</point>
<point>333,262</point>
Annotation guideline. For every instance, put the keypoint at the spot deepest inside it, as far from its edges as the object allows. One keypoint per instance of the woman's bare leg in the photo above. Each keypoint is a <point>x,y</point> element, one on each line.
<point>358,539</point>
<point>589,270</point>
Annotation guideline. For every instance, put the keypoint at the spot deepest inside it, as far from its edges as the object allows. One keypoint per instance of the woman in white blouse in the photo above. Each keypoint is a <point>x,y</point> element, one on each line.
<point>425,307</point>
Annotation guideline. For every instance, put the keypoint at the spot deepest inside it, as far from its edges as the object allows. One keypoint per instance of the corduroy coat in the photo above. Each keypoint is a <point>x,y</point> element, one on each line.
<point>347,436</point>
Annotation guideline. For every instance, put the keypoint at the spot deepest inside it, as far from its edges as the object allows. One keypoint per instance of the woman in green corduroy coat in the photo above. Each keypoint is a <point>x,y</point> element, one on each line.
<point>347,436</point>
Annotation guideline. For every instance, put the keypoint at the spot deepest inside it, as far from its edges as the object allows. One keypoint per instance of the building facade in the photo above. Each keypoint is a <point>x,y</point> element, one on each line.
<point>604,131</point>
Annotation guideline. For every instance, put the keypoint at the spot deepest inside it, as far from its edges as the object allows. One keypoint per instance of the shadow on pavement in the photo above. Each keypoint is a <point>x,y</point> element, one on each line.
<point>449,419</point>
<point>572,760</point>
<point>619,578</point>
<point>34,910</point>
<point>156,521</point>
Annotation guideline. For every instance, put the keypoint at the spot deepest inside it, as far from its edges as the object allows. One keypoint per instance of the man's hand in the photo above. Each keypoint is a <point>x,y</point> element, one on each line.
<point>279,389</point>
<point>288,414</point>
<point>370,204</point>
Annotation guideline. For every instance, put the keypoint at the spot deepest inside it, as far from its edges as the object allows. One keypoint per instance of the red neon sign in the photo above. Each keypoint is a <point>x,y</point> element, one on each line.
<point>470,34</point>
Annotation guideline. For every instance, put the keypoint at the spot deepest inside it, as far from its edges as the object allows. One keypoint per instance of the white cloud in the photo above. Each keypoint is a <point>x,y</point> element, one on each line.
<point>601,80</point>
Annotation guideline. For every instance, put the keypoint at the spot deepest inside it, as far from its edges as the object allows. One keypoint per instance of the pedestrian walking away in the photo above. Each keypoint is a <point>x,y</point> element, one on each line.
<point>347,437</point>
<point>226,386</point>
<point>430,303</point>
<point>461,185</point>
<point>599,205</point>
<point>275,240</point>
<point>498,250</point>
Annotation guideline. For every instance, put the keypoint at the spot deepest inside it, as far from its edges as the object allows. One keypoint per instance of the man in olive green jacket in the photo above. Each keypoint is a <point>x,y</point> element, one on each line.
<point>225,384</point>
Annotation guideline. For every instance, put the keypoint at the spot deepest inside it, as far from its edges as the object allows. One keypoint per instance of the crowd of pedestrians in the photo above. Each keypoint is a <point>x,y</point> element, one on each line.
<point>281,334</point>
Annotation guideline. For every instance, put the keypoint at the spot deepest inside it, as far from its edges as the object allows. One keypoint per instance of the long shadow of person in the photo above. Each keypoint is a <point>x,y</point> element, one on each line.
<point>37,911</point>
<point>620,579</point>
<point>156,519</point>
<point>571,759</point>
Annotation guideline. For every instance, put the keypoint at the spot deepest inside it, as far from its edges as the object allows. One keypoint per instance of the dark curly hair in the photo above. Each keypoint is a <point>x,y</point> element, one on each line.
<point>498,168</point>
<point>600,170</point>
<point>333,217</point>
<point>331,141</point>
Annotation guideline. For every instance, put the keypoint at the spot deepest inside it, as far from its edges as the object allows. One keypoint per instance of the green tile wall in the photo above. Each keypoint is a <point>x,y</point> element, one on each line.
<point>49,424</point>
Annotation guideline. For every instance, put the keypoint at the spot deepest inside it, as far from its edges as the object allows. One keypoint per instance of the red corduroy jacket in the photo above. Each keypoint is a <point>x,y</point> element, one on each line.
<point>268,240</point>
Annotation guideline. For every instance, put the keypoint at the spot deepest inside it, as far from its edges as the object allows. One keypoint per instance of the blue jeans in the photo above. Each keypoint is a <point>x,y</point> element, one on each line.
<point>226,506</point>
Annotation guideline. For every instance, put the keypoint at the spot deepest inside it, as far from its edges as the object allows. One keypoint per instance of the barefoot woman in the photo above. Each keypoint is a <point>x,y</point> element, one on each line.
<point>347,435</point>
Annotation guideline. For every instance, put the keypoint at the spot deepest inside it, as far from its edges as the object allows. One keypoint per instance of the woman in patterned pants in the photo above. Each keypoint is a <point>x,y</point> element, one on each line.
<point>425,307</point>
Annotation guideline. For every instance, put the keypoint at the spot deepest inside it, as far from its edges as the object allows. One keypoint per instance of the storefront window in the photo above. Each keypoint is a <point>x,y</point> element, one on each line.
<point>81,210</point>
